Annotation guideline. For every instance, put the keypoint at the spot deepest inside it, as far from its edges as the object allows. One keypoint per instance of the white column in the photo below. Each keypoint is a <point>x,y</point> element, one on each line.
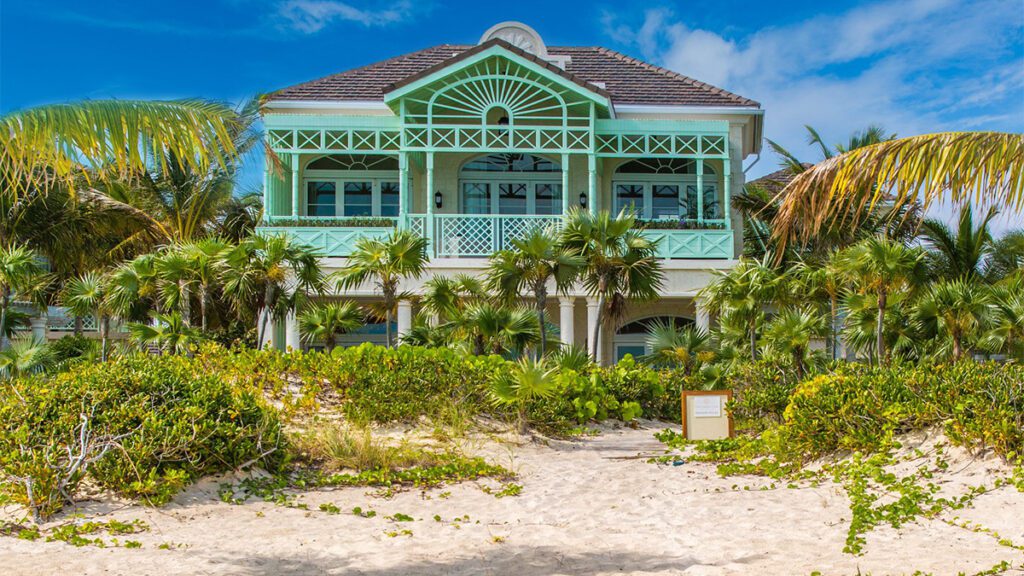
<point>291,333</point>
<point>404,317</point>
<point>295,185</point>
<point>39,326</point>
<point>404,207</point>
<point>592,183</point>
<point>566,309</point>
<point>703,315</point>
<point>592,346</point>
<point>565,184</point>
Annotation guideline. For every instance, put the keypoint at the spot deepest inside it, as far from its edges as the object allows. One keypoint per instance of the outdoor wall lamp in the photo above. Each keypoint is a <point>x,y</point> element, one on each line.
<point>438,199</point>
<point>583,199</point>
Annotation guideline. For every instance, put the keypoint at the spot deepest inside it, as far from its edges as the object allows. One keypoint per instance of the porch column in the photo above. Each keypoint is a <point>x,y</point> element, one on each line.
<point>266,192</point>
<point>593,346</point>
<point>403,189</point>
<point>703,314</point>
<point>404,318</point>
<point>291,333</point>
<point>39,326</point>
<point>700,190</point>
<point>566,309</point>
<point>592,183</point>
<point>429,224</point>
<point>726,173</point>
<point>295,185</point>
<point>565,184</point>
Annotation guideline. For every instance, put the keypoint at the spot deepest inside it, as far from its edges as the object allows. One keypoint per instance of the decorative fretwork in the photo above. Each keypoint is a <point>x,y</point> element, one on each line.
<point>334,140</point>
<point>660,145</point>
<point>479,236</point>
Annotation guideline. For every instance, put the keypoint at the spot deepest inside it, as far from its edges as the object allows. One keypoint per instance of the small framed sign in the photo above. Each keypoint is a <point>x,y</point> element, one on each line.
<point>705,416</point>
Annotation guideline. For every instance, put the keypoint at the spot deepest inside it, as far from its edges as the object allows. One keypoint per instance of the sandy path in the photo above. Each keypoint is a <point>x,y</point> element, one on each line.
<point>584,510</point>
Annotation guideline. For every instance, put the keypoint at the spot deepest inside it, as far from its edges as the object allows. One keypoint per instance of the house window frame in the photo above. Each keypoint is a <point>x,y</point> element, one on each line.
<point>376,178</point>
<point>495,178</point>
<point>684,181</point>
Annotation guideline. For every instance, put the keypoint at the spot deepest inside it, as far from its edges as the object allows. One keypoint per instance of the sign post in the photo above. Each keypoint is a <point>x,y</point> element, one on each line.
<point>705,416</point>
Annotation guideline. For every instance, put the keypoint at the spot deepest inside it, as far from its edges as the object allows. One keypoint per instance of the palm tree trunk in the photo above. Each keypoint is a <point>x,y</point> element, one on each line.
<point>834,316</point>
<point>268,295</point>
<point>387,324</point>
<point>597,326</point>
<point>78,325</point>
<point>186,306</point>
<point>879,329</point>
<point>329,342</point>
<point>541,305</point>
<point>958,350</point>
<point>202,305</point>
<point>3,319</point>
<point>104,331</point>
<point>752,329</point>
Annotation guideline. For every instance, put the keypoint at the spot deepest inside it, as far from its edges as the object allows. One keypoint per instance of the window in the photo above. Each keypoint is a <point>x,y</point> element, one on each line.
<point>352,185</point>
<point>358,199</point>
<point>511,184</point>
<point>320,197</point>
<point>666,188</point>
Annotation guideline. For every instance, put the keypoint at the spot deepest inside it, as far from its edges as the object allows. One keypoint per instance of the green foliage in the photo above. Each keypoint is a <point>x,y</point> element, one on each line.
<point>139,425</point>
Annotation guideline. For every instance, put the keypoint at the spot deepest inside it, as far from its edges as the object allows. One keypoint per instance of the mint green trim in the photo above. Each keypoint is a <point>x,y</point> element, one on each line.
<point>692,244</point>
<point>620,126</point>
<point>331,242</point>
<point>391,97</point>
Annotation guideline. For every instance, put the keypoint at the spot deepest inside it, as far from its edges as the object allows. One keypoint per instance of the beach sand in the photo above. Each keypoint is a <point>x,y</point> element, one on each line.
<point>587,506</point>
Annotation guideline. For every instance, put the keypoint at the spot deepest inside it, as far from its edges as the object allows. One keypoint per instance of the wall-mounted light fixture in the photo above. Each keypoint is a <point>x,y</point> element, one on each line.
<point>583,199</point>
<point>438,199</point>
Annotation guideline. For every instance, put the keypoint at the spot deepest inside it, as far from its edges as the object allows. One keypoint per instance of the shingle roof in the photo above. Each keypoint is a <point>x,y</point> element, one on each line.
<point>776,181</point>
<point>627,80</point>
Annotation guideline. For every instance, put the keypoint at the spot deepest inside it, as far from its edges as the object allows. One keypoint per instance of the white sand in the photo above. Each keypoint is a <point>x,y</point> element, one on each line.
<point>584,509</point>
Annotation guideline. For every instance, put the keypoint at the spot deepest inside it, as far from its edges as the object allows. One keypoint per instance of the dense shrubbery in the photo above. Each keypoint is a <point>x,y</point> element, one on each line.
<point>142,426</point>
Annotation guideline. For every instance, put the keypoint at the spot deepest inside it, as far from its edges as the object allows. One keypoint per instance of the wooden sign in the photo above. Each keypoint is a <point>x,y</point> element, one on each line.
<point>705,416</point>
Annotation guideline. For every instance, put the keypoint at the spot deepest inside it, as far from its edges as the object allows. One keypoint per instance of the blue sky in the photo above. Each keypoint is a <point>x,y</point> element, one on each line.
<point>912,66</point>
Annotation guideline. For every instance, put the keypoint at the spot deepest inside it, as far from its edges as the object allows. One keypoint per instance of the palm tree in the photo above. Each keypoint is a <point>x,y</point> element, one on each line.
<point>85,296</point>
<point>48,145</point>
<point>1006,256</point>
<point>131,291</point>
<point>675,346</point>
<point>533,261</point>
<point>1007,317</point>
<point>205,260</point>
<point>619,263</point>
<point>955,309</point>
<point>21,276</point>
<point>168,332</point>
<point>882,267</point>
<point>446,297</point>
<point>742,293</point>
<point>403,254</point>
<point>962,253</point>
<point>528,380</point>
<point>790,333</point>
<point>268,276</point>
<point>824,282</point>
<point>498,327</point>
<point>175,280</point>
<point>25,356</point>
<point>326,321</point>
<point>987,167</point>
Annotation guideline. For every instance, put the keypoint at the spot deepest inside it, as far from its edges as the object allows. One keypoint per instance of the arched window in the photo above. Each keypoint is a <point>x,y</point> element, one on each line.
<point>665,188</point>
<point>510,184</point>
<point>352,185</point>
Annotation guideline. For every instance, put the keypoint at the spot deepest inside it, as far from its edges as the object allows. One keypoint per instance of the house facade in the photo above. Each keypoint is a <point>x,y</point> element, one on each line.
<point>472,146</point>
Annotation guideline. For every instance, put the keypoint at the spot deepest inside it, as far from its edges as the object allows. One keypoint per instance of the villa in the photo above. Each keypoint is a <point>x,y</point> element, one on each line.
<point>471,146</point>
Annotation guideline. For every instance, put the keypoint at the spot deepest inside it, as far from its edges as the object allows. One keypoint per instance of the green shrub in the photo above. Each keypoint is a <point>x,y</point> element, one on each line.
<point>71,347</point>
<point>142,426</point>
<point>761,392</point>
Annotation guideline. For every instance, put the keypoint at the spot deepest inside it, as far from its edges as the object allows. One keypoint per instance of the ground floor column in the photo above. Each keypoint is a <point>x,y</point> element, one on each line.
<point>39,327</point>
<point>291,333</point>
<point>593,345</point>
<point>566,308</point>
<point>703,315</point>
<point>404,318</point>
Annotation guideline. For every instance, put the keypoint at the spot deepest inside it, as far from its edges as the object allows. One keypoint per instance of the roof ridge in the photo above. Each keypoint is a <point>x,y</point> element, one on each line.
<point>673,74</point>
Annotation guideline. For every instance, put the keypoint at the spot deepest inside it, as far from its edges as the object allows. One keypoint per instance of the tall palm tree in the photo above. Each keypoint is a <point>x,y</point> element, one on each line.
<point>1007,317</point>
<point>955,309</point>
<point>960,253</point>
<point>176,280</point>
<point>21,276</point>
<point>85,296</point>
<point>826,282</point>
<point>205,260</point>
<point>743,291</point>
<point>882,267</point>
<point>1006,256</point>
<point>168,332</point>
<point>268,276</point>
<point>403,254</point>
<point>48,145</point>
<point>790,333</point>
<point>675,346</point>
<point>131,291</point>
<point>326,321</point>
<point>533,261</point>
<point>619,263</point>
<point>986,167</point>
<point>498,328</point>
<point>446,297</point>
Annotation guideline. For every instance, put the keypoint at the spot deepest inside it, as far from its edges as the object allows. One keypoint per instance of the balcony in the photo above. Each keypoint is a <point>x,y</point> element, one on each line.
<point>480,235</point>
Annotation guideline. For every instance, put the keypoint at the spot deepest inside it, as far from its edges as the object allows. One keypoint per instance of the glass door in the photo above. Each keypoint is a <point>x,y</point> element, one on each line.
<point>476,198</point>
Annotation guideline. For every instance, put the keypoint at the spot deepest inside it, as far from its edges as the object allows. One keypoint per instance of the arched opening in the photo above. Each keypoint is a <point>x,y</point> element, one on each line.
<point>510,184</point>
<point>351,185</point>
<point>631,338</point>
<point>666,189</point>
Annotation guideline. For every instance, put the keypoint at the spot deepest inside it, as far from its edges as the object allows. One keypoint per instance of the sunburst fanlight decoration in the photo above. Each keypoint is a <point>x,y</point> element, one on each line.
<point>662,166</point>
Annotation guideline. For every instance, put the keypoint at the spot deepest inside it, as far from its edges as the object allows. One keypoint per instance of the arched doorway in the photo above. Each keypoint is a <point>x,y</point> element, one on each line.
<point>631,338</point>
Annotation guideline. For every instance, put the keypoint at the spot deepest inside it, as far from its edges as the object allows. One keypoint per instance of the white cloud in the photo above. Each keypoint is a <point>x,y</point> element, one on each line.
<point>917,66</point>
<point>311,16</point>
